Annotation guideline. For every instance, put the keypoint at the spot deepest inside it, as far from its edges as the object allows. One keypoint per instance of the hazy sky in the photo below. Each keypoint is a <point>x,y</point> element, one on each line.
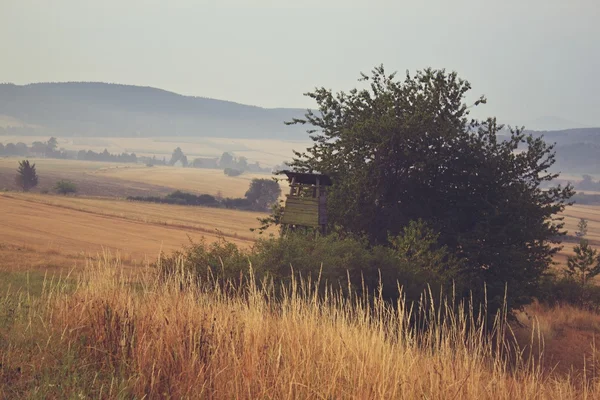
<point>531,58</point>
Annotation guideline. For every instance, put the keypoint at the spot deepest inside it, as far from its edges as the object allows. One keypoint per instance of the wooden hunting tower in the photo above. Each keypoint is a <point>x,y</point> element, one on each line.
<point>307,202</point>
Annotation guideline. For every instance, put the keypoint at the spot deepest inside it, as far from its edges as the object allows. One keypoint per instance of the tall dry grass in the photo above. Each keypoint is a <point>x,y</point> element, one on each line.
<point>154,338</point>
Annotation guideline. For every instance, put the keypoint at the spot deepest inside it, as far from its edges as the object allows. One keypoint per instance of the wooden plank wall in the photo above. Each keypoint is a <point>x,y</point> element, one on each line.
<point>301,211</point>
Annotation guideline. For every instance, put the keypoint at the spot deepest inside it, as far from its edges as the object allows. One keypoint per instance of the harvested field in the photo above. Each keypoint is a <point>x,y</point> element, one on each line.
<point>122,180</point>
<point>65,228</point>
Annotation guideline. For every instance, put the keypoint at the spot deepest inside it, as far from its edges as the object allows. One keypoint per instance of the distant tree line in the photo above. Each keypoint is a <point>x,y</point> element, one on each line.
<point>261,195</point>
<point>587,183</point>
<point>42,149</point>
<point>231,164</point>
<point>106,156</point>
<point>50,149</point>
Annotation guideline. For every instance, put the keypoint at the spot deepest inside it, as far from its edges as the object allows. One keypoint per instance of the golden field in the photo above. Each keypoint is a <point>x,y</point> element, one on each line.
<point>41,230</point>
<point>121,179</point>
<point>203,181</point>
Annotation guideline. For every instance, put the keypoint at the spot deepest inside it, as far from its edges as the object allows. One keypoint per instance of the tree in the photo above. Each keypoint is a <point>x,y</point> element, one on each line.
<point>38,148</point>
<point>263,193</point>
<point>10,149</point>
<point>404,150</point>
<point>65,187</point>
<point>226,161</point>
<point>586,183</point>
<point>26,175</point>
<point>585,264</point>
<point>178,156</point>
<point>242,164</point>
<point>52,143</point>
<point>51,146</point>
<point>21,149</point>
<point>582,228</point>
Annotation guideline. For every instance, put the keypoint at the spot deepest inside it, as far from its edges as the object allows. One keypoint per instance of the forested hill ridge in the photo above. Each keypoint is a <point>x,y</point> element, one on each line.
<point>103,109</point>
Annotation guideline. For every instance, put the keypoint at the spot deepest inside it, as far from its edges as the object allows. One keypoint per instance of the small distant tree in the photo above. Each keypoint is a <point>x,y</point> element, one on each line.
<point>227,160</point>
<point>178,156</point>
<point>21,149</point>
<point>585,264</point>
<point>582,228</point>
<point>263,193</point>
<point>242,163</point>
<point>586,183</point>
<point>10,149</point>
<point>65,187</point>
<point>38,148</point>
<point>27,177</point>
<point>51,146</point>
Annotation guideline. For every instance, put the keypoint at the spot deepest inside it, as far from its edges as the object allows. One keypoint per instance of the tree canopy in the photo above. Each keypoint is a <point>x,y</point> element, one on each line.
<point>263,193</point>
<point>403,150</point>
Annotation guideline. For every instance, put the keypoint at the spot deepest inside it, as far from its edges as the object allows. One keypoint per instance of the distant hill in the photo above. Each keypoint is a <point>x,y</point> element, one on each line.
<point>571,136</point>
<point>552,123</point>
<point>102,109</point>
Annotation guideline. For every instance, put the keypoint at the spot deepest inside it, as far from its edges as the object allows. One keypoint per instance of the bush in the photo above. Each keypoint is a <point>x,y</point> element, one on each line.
<point>238,203</point>
<point>555,290</point>
<point>65,187</point>
<point>180,198</point>
<point>341,262</point>
<point>232,172</point>
<point>221,259</point>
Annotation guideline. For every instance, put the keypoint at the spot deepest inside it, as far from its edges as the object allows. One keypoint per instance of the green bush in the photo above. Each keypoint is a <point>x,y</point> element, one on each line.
<point>221,260</point>
<point>65,187</point>
<point>554,290</point>
<point>339,262</point>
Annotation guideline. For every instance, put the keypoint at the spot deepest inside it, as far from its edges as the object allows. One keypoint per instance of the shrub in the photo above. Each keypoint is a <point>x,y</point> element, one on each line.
<point>221,259</point>
<point>555,290</point>
<point>180,198</point>
<point>65,187</point>
<point>238,203</point>
<point>342,262</point>
<point>232,172</point>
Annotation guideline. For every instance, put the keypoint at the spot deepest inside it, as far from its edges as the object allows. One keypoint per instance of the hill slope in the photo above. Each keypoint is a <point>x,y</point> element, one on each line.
<point>101,109</point>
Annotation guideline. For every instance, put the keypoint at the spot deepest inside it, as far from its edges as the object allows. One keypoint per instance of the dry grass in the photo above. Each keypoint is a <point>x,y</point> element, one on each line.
<point>569,335</point>
<point>109,339</point>
<point>62,229</point>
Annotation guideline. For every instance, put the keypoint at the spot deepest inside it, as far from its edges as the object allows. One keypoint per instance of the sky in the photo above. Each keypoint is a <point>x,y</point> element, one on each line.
<point>530,58</point>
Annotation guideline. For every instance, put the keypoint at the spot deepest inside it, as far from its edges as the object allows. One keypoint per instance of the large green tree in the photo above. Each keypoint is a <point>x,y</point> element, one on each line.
<point>402,150</point>
<point>263,193</point>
